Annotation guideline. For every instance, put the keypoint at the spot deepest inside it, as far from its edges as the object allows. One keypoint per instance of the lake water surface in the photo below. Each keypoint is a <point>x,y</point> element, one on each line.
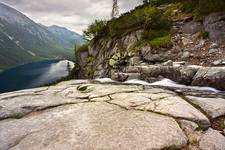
<point>34,74</point>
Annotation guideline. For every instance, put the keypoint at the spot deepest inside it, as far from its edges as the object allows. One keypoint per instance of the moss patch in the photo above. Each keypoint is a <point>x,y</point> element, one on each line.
<point>161,41</point>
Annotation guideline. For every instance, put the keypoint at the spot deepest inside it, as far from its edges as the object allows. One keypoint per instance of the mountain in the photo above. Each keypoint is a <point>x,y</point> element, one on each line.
<point>66,37</point>
<point>22,40</point>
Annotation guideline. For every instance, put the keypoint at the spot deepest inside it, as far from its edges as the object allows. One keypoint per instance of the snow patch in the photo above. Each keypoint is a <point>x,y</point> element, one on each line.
<point>10,37</point>
<point>31,53</point>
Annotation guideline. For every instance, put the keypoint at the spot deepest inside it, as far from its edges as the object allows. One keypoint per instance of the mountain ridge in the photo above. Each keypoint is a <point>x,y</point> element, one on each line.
<point>23,41</point>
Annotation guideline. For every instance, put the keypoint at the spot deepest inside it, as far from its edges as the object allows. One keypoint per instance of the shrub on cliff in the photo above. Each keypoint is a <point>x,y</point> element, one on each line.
<point>96,29</point>
<point>204,7</point>
<point>148,18</point>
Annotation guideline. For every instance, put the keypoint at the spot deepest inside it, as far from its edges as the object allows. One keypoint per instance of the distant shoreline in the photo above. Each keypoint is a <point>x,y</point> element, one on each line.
<point>50,59</point>
<point>35,74</point>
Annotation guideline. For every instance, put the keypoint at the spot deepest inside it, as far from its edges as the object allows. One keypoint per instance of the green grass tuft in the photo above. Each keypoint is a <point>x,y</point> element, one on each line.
<point>161,41</point>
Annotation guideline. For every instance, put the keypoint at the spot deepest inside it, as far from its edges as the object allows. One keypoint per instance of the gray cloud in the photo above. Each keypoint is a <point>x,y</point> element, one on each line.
<point>73,14</point>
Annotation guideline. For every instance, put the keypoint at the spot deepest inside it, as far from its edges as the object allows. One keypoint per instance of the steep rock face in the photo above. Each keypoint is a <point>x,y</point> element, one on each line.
<point>213,23</point>
<point>105,52</point>
<point>128,57</point>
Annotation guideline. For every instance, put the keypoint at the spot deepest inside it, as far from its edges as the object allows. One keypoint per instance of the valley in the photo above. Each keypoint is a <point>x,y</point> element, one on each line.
<point>24,41</point>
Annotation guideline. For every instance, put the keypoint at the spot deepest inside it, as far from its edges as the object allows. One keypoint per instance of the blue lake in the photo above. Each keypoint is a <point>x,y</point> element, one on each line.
<point>34,75</point>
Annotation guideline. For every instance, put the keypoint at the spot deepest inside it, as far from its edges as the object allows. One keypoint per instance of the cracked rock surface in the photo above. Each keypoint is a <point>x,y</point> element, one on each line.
<point>214,107</point>
<point>82,114</point>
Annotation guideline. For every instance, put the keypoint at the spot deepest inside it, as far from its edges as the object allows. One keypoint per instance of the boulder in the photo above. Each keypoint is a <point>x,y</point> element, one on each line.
<point>132,76</point>
<point>154,58</point>
<point>214,46</point>
<point>219,62</point>
<point>135,61</point>
<point>132,69</point>
<point>187,40</point>
<point>157,58</point>
<point>185,55</point>
<point>214,50</point>
<point>192,27</point>
<point>159,72</point>
<point>151,55</point>
<point>178,64</point>
<point>182,75</point>
<point>168,63</point>
<point>185,124</point>
<point>121,77</point>
<point>210,76</point>
<point>214,107</point>
<point>212,140</point>
<point>214,24</point>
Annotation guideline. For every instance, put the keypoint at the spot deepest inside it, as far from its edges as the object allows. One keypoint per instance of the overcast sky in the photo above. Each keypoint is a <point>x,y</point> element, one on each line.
<point>73,14</point>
